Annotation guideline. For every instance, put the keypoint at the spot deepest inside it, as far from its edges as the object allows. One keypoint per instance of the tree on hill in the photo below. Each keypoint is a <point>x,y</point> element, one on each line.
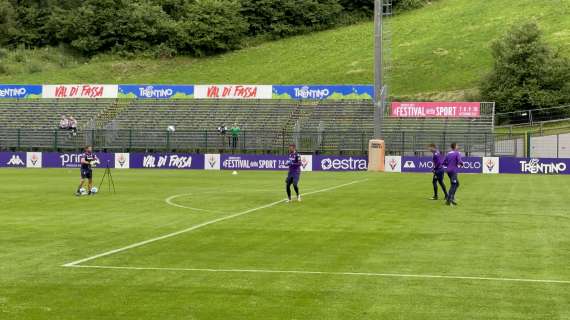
<point>527,73</point>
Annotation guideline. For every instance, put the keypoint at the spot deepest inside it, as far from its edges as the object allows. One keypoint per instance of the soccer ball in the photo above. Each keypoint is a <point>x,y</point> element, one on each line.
<point>235,173</point>
<point>83,191</point>
<point>94,190</point>
<point>95,163</point>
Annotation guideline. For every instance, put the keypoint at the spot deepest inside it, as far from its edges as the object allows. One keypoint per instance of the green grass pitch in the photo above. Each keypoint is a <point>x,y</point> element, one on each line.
<point>374,249</point>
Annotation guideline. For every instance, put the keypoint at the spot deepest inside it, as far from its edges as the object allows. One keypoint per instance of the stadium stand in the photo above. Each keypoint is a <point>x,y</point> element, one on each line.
<point>33,123</point>
<point>267,125</point>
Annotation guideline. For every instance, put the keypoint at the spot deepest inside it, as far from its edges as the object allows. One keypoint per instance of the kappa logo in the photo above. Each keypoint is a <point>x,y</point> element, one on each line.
<point>15,161</point>
<point>409,165</point>
<point>393,164</point>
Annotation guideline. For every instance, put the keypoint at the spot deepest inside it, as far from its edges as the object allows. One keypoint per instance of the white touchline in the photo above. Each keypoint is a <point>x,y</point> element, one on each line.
<point>362,274</point>
<point>198,226</point>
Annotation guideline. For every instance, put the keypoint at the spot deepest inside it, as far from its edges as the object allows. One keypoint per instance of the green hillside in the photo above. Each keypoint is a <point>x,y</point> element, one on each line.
<point>440,51</point>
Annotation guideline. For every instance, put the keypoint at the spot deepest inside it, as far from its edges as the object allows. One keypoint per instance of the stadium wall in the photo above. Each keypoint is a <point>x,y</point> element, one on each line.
<point>478,165</point>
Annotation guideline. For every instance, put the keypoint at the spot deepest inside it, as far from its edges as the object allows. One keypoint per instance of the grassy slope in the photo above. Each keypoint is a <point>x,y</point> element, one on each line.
<point>356,229</point>
<point>435,51</point>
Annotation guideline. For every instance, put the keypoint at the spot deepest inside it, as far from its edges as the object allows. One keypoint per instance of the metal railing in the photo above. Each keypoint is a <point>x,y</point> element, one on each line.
<point>531,117</point>
<point>203,141</point>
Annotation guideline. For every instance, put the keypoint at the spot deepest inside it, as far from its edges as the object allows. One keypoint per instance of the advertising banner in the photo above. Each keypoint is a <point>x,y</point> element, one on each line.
<point>321,92</point>
<point>491,165</point>
<point>425,164</point>
<point>436,109</point>
<point>306,162</point>
<point>122,161</point>
<point>393,164</point>
<point>13,159</point>
<point>16,91</point>
<point>72,160</point>
<point>535,166</point>
<point>150,91</point>
<point>167,161</point>
<point>340,163</point>
<point>212,162</point>
<point>34,160</point>
<point>233,91</point>
<point>80,91</point>
<point>253,162</point>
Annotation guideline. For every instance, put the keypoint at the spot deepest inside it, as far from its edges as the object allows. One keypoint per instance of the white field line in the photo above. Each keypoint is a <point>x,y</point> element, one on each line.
<point>199,226</point>
<point>361,274</point>
<point>171,203</point>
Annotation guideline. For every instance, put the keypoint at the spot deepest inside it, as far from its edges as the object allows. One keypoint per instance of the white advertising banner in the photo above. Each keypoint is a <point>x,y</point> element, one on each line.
<point>80,91</point>
<point>122,161</point>
<point>393,164</point>
<point>491,165</point>
<point>212,162</point>
<point>231,91</point>
<point>306,163</point>
<point>34,160</point>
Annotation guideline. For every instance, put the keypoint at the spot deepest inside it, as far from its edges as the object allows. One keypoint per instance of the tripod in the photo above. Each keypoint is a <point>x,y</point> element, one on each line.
<point>109,176</point>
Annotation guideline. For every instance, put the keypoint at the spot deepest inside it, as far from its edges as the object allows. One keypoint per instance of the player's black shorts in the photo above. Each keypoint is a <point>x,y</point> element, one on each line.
<point>439,174</point>
<point>292,178</point>
<point>86,173</point>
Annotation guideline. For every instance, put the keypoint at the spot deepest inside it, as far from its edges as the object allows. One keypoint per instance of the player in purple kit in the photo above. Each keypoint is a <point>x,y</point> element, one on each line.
<point>453,162</point>
<point>88,160</point>
<point>294,163</point>
<point>438,171</point>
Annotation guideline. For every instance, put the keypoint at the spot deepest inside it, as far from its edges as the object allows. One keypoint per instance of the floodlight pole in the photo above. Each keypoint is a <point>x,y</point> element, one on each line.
<point>378,84</point>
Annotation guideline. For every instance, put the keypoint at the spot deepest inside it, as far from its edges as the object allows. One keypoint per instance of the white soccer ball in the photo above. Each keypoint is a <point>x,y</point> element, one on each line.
<point>94,190</point>
<point>95,163</point>
<point>235,173</point>
<point>83,191</point>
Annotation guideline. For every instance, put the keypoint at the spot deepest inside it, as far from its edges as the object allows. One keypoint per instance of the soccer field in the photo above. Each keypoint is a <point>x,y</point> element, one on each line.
<point>210,245</point>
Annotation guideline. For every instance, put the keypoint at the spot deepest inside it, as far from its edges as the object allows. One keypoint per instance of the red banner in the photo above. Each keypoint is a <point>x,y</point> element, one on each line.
<point>436,109</point>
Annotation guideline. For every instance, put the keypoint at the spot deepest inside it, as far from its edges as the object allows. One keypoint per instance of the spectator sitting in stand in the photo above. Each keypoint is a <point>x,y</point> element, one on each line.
<point>73,125</point>
<point>64,123</point>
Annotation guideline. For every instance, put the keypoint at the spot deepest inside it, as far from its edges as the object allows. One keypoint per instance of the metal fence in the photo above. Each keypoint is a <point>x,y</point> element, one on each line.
<point>276,142</point>
<point>531,117</point>
<point>203,141</point>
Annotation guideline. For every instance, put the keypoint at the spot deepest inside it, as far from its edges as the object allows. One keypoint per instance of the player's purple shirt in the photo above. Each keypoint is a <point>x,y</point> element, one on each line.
<point>437,160</point>
<point>89,156</point>
<point>453,161</point>
<point>294,163</point>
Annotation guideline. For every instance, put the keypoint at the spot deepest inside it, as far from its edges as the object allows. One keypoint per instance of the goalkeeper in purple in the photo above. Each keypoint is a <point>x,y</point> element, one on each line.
<point>453,162</point>
<point>294,163</point>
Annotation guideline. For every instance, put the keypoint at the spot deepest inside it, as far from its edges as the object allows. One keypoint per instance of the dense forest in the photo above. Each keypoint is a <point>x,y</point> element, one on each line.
<point>171,27</point>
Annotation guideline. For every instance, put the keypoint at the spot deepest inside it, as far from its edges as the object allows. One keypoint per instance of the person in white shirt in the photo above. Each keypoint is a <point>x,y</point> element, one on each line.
<point>64,123</point>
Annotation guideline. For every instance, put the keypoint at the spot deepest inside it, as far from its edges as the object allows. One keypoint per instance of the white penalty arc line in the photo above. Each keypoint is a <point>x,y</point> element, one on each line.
<point>172,203</point>
<point>361,274</point>
<point>199,226</point>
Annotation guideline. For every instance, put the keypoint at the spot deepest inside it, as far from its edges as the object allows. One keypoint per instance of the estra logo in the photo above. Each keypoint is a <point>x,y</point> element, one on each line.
<point>343,164</point>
